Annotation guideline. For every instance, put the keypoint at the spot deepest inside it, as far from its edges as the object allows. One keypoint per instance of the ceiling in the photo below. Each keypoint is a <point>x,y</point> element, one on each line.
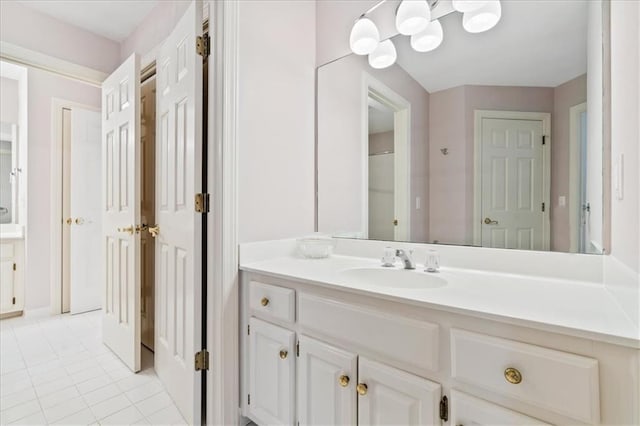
<point>112,19</point>
<point>538,43</point>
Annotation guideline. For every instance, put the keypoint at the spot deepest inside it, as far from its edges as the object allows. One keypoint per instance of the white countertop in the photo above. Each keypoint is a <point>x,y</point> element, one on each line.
<point>576,308</point>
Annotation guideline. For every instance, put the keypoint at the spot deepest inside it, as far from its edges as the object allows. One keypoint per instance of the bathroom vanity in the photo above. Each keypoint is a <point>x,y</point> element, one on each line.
<point>344,341</point>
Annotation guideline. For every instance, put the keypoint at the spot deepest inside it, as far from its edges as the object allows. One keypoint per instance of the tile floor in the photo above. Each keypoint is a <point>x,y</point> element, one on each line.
<point>55,370</point>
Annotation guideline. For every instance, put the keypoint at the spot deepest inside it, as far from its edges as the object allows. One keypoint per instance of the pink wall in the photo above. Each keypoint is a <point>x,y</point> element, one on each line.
<point>340,138</point>
<point>42,88</point>
<point>33,30</point>
<point>565,96</point>
<point>276,119</point>
<point>8,100</point>
<point>153,29</point>
<point>625,131</point>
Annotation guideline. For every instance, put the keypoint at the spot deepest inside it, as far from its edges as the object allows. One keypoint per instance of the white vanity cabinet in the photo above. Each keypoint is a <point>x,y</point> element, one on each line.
<point>11,277</point>
<point>467,410</point>
<point>336,387</point>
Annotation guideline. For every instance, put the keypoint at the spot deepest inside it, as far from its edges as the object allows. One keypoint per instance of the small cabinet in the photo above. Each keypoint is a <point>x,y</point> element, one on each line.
<point>271,373</point>
<point>11,299</point>
<point>330,391</point>
<point>467,410</point>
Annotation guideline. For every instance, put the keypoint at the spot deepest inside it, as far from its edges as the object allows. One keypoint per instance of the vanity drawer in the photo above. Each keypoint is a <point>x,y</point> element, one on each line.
<point>271,301</point>
<point>409,341</point>
<point>553,380</point>
<point>7,251</point>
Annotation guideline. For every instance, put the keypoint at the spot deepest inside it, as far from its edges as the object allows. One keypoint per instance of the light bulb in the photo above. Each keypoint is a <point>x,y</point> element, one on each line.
<point>384,56</point>
<point>412,16</point>
<point>364,37</point>
<point>482,19</point>
<point>468,5</point>
<point>428,39</point>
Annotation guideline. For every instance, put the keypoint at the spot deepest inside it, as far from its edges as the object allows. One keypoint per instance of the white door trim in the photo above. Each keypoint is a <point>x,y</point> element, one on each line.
<point>545,117</point>
<point>402,154</point>
<point>55,191</point>
<point>575,209</point>
<point>222,236</point>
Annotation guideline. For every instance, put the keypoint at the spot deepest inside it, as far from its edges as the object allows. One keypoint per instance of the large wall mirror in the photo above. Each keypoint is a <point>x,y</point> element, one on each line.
<point>492,139</point>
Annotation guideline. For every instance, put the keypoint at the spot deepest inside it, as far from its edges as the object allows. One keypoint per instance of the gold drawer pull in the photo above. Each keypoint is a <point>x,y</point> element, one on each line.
<point>264,301</point>
<point>283,354</point>
<point>344,380</point>
<point>512,375</point>
<point>361,389</point>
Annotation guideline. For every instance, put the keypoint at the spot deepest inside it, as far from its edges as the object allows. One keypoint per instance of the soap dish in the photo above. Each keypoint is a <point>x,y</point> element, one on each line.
<point>316,246</point>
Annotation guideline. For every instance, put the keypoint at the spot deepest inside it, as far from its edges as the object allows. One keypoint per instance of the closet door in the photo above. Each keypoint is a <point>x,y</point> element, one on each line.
<point>178,226</point>
<point>327,378</point>
<point>121,212</point>
<point>388,396</point>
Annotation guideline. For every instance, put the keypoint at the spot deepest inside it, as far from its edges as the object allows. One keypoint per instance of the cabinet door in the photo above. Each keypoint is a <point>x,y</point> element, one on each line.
<point>468,410</point>
<point>6,286</point>
<point>326,384</point>
<point>271,373</point>
<point>388,396</point>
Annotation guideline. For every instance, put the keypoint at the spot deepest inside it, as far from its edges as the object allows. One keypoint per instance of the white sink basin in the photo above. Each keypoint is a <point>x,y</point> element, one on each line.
<point>393,278</point>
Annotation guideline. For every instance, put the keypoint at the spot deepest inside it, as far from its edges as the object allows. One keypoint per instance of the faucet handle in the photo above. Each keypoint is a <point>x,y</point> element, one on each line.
<point>389,257</point>
<point>432,263</point>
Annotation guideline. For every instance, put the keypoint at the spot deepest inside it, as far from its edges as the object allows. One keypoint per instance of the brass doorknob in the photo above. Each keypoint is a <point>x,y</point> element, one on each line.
<point>488,221</point>
<point>264,301</point>
<point>512,375</point>
<point>344,380</point>
<point>361,389</point>
<point>283,354</point>
<point>129,230</point>
<point>154,230</point>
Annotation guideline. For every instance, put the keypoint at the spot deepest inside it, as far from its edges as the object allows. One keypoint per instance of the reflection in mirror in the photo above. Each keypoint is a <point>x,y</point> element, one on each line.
<point>491,139</point>
<point>8,172</point>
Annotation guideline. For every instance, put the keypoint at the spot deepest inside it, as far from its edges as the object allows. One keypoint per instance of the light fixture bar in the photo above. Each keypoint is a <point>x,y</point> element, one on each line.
<point>372,8</point>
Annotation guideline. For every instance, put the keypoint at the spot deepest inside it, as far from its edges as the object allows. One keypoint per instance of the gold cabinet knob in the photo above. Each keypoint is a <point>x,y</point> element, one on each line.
<point>344,380</point>
<point>79,221</point>
<point>264,301</point>
<point>69,221</point>
<point>154,230</point>
<point>512,375</point>
<point>283,354</point>
<point>361,389</point>
<point>129,230</point>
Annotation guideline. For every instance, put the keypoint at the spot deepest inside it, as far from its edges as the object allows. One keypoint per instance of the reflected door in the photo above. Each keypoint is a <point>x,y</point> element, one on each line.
<point>512,184</point>
<point>178,242</point>
<point>121,212</point>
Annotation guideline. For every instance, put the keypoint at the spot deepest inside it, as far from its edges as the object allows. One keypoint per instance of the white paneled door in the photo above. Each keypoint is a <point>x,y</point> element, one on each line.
<point>85,211</point>
<point>121,212</point>
<point>513,184</point>
<point>178,178</point>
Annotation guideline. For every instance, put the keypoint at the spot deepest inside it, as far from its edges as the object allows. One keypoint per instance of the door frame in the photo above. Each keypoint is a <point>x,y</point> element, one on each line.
<point>402,153</point>
<point>575,150</point>
<point>545,117</point>
<point>55,192</point>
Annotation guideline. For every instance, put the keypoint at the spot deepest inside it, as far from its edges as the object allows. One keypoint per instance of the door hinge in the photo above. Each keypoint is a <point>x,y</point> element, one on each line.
<point>248,330</point>
<point>544,140</point>
<point>298,348</point>
<point>14,266</point>
<point>248,399</point>
<point>444,408</point>
<point>202,203</point>
<point>203,45</point>
<point>13,301</point>
<point>542,206</point>
<point>202,360</point>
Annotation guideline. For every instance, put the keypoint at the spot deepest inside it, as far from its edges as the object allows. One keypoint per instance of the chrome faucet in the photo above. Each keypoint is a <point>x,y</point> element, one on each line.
<point>406,258</point>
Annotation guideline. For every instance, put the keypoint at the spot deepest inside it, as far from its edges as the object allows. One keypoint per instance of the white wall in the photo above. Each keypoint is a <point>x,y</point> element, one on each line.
<point>25,27</point>
<point>276,119</point>
<point>8,100</point>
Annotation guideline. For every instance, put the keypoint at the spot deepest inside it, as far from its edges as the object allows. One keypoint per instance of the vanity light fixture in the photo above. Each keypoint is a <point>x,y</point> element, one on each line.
<point>413,18</point>
<point>428,39</point>
<point>364,37</point>
<point>384,56</point>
